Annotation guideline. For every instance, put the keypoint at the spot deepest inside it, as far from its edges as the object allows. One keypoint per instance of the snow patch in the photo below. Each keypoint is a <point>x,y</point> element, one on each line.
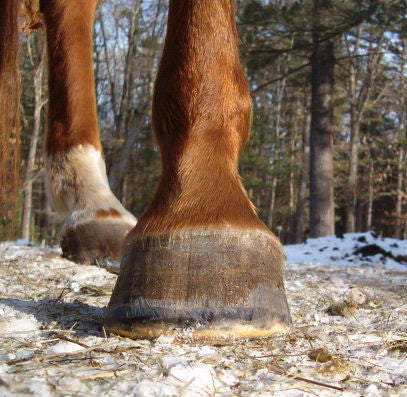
<point>40,388</point>
<point>148,388</point>
<point>197,378</point>
<point>64,347</point>
<point>339,252</point>
<point>17,326</point>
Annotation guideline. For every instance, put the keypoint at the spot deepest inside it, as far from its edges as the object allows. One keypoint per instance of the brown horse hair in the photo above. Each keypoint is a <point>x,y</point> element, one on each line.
<point>9,115</point>
<point>72,117</point>
<point>201,120</point>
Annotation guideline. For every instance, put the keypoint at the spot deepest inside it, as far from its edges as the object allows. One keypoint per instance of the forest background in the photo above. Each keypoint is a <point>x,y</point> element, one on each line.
<point>327,152</point>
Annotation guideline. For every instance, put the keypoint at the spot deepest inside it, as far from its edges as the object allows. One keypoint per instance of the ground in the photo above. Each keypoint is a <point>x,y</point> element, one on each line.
<point>349,334</point>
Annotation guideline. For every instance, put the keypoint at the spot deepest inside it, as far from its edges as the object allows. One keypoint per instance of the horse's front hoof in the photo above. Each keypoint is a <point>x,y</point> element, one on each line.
<point>96,242</point>
<point>207,284</point>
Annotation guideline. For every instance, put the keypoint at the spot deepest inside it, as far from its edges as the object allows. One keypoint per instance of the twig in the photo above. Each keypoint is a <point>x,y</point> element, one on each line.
<point>65,338</point>
<point>71,329</point>
<point>108,374</point>
<point>79,352</point>
<point>61,294</point>
<point>279,371</point>
<point>183,388</point>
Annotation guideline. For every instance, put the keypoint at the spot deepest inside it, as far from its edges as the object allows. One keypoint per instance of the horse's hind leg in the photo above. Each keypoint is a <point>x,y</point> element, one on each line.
<point>96,222</point>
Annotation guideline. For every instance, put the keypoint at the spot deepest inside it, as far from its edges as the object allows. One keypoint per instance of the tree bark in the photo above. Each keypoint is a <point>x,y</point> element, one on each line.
<point>119,168</point>
<point>38,105</point>
<point>370,195</point>
<point>321,137</point>
<point>279,95</point>
<point>122,118</point>
<point>359,102</point>
<point>401,154</point>
<point>290,224</point>
<point>9,117</point>
<point>123,157</point>
<point>399,200</point>
<point>302,191</point>
<point>353,158</point>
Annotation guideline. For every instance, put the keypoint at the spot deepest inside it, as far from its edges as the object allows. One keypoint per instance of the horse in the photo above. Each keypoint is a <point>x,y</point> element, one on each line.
<point>199,256</point>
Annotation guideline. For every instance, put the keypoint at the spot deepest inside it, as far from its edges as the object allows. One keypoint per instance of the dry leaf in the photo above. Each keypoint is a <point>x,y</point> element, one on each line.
<point>320,355</point>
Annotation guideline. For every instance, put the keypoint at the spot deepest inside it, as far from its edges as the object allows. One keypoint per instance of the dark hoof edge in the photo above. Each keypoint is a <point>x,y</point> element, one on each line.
<point>226,326</point>
<point>208,285</point>
<point>96,243</point>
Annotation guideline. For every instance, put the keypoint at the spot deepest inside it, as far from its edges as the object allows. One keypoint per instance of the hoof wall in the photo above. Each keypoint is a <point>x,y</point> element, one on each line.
<point>96,242</point>
<point>205,284</point>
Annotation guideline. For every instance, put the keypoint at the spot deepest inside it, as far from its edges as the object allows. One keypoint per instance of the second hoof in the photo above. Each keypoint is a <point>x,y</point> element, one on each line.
<point>97,242</point>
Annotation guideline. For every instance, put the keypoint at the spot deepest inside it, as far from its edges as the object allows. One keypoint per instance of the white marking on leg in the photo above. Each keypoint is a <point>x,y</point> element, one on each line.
<point>78,186</point>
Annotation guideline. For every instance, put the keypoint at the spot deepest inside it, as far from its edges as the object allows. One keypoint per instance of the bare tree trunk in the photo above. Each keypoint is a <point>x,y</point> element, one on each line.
<point>122,159</point>
<point>38,105</point>
<point>353,158</point>
<point>128,69</point>
<point>370,205</point>
<point>9,117</point>
<point>302,191</point>
<point>401,156</point>
<point>359,102</point>
<point>116,177</point>
<point>291,203</point>
<point>322,221</point>
<point>360,216</point>
<point>399,200</point>
<point>351,198</point>
<point>405,228</point>
<point>279,95</point>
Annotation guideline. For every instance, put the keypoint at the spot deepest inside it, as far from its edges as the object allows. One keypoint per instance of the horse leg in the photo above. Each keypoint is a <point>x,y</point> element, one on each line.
<point>96,223</point>
<point>200,255</point>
